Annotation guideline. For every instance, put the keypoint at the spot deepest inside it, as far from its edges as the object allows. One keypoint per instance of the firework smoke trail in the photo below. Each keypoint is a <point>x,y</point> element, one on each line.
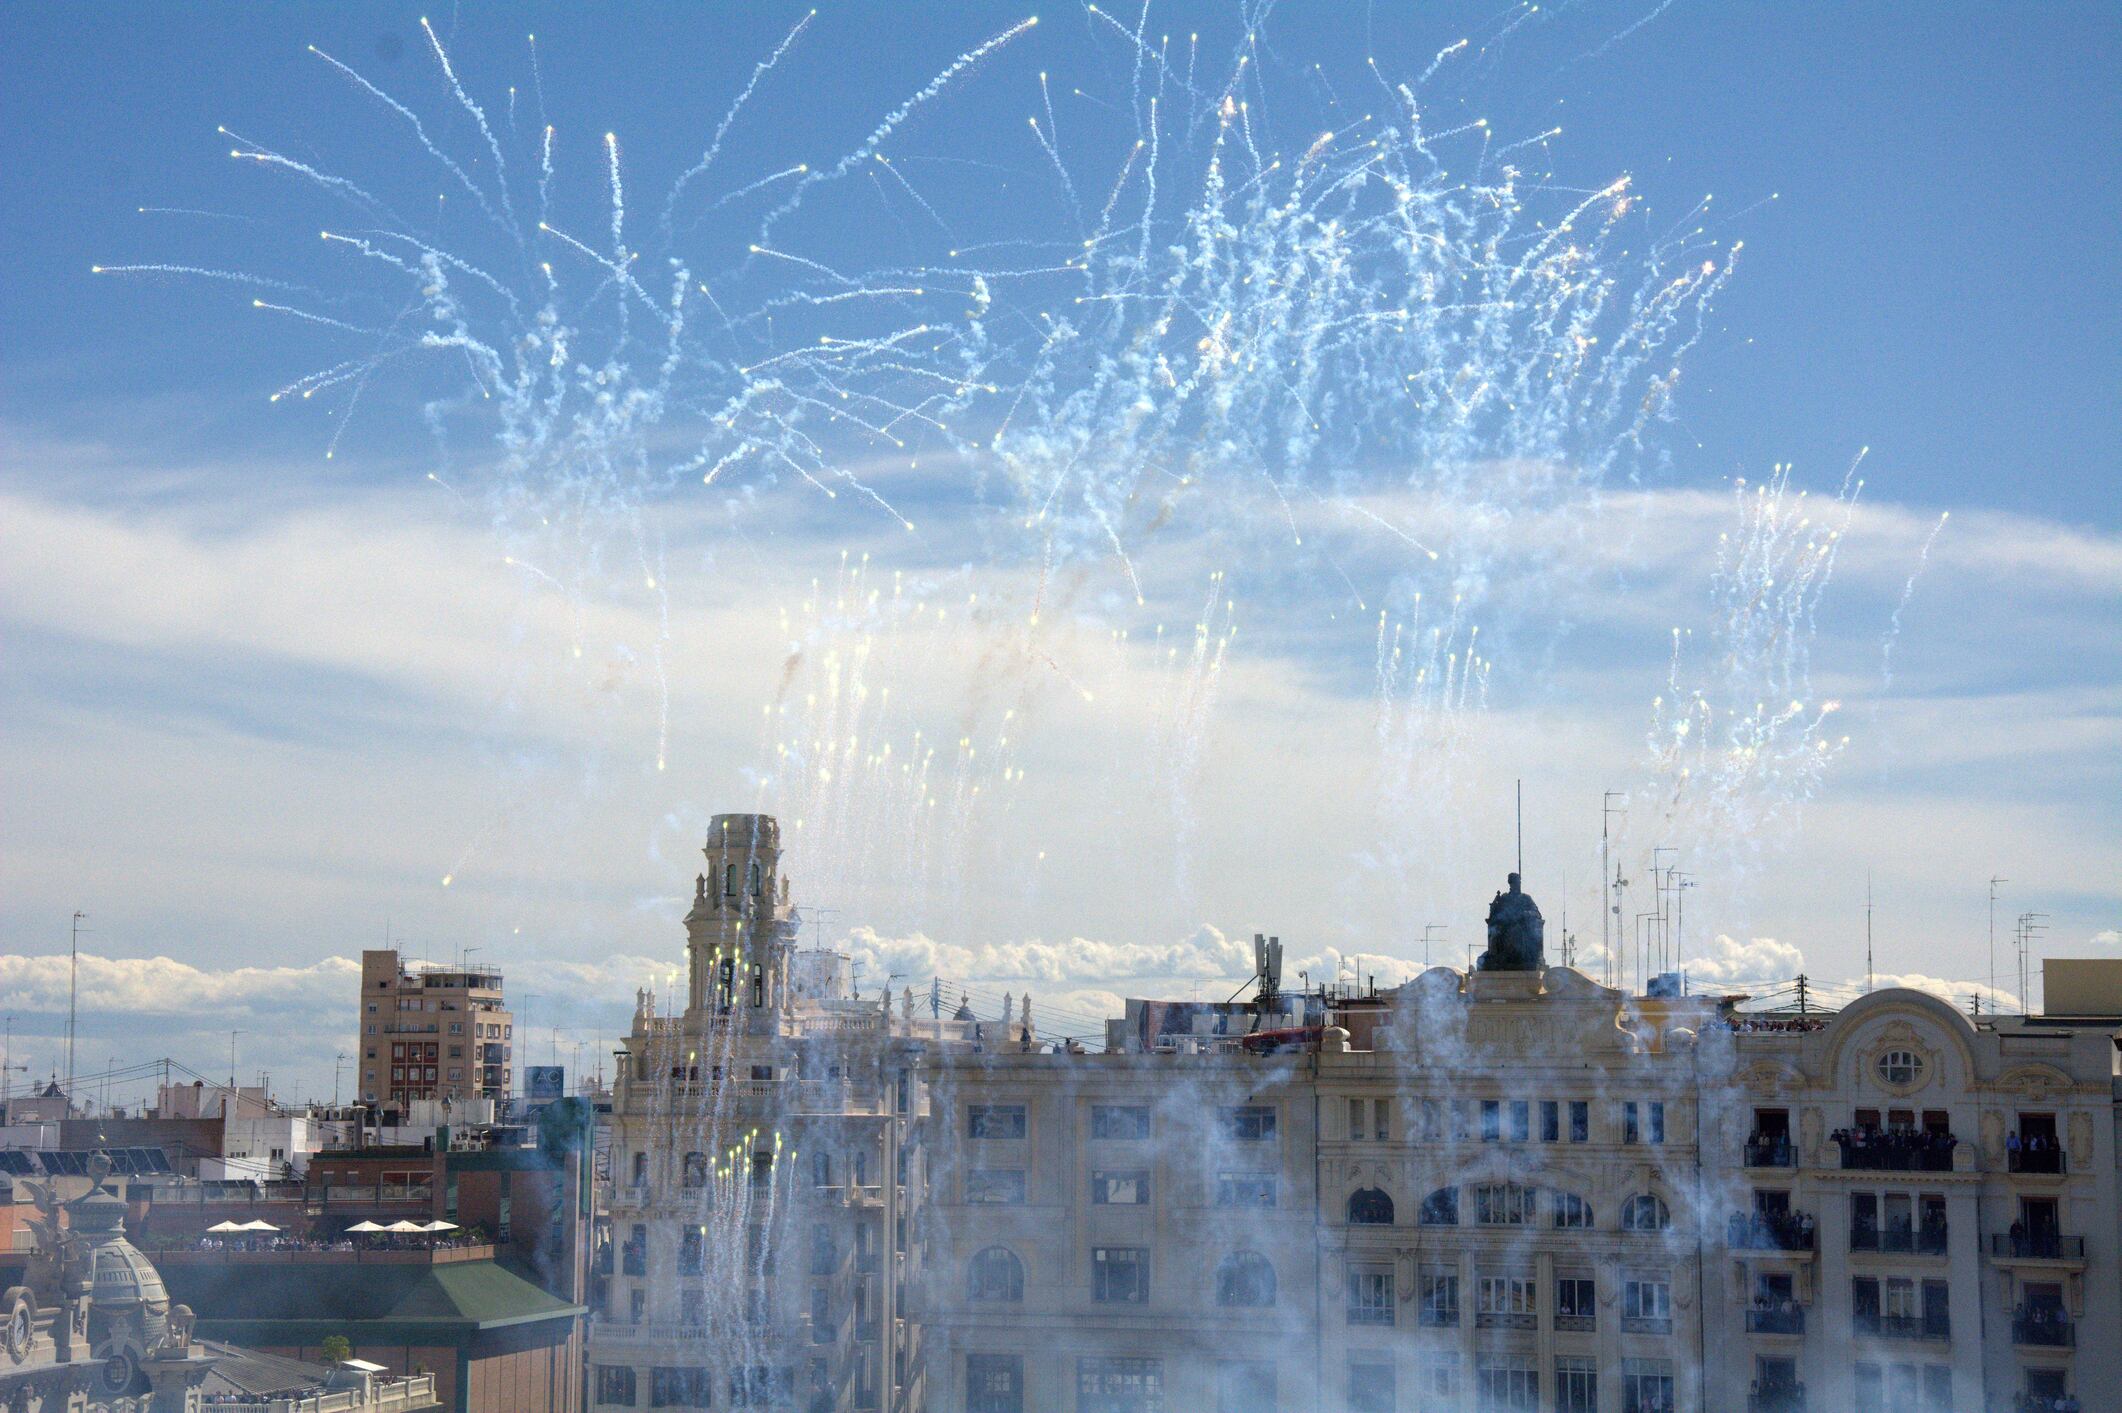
<point>1736,755</point>
<point>1908,591</point>
<point>1182,730</point>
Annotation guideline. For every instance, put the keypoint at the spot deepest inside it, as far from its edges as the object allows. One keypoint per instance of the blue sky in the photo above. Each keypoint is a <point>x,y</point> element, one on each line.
<point>260,703</point>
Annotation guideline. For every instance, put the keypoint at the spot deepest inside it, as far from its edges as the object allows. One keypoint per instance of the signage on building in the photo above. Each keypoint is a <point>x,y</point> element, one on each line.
<point>543,1082</point>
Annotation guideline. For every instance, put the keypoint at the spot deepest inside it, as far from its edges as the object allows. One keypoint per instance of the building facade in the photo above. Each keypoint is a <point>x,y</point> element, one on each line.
<point>435,1033</point>
<point>763,1170</point>
<point>1508,1188</point>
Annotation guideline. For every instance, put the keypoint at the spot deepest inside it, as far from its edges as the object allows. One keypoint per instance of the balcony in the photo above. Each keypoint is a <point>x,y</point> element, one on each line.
<point>1770,1153</point>
<point>2043,1329</point>
<point>1764,1231</point>
<point>1436,1318</point>
<point>2047,1161</point>
<point>1506,1320</point>
<point>1898,1153</point>
<point>1937,1326</point>
<point>1776,1320</point>
<point>1900,1241</point>
<point>1576,1324</point>
<point>1788,1399</point>
<point>1647,1324</point>
<point>2037,1246</point>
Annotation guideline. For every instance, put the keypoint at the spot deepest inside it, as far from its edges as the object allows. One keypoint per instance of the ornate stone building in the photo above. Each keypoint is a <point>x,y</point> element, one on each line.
<point>765,1170</point>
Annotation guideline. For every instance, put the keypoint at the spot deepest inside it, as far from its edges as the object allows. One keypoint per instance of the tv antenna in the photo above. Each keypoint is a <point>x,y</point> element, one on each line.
<point>1609,878</point>
<point>1993,943</point>
<point>73,999</point>
<point>1427,929</point>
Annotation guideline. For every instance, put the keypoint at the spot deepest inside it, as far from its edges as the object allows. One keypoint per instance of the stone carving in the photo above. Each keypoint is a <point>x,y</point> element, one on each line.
<point>1516,932</point>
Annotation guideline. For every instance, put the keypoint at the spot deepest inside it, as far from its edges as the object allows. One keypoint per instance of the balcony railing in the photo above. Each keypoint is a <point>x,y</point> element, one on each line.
<point>1893,1154</point>
<point>1788,1399</point>
<point>1776,1320</point>
<point>1770,1153</point>
<point>1506,1320</point>
<point>2025,1160</point>
<point>1576,1324</point>
<point>2043,1329</point>
<point>1646,1324</point>
<point>2036,1246</point>
<point>1937,1326</point>
<point>1761,1231</point>
<point>1901,1241</point>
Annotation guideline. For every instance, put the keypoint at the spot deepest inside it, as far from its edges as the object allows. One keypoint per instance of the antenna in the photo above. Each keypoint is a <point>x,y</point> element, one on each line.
<point>1868,982</point>
<point>73,998</point>
<point>1610,906</point>
<point>1993,943</point>
<point>2029,924</point>
<point>1521,829</point>
<point>1427,929</point>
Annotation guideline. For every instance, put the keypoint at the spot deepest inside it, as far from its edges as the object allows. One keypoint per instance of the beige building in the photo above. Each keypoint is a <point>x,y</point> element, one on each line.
<point>757,1247</point>
<point>432,1033</point>
<point>1508,1188</point>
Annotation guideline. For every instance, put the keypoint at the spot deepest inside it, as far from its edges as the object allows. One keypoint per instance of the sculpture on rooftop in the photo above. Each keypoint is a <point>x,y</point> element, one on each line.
<point>1516,932</point>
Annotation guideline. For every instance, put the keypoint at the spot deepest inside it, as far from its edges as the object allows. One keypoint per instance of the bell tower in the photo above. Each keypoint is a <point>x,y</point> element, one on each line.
<point>740,931</point>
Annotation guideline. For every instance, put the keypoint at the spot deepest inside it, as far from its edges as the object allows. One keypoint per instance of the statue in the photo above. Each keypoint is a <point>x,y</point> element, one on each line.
<point>1516,933</point>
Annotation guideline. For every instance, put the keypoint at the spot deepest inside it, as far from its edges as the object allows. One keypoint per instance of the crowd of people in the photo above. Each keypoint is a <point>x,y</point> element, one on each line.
<point>2040,1324</point>
<point>2043,1403</point>
<point>355,1241</point>
<point>1869,1146</point>
<point>1772,1231</point>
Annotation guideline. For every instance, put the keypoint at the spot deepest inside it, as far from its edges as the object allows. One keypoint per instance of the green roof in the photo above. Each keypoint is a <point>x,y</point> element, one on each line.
<point>459,1296</point>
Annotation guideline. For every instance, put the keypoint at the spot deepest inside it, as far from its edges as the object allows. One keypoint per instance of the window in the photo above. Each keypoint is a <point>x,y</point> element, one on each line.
<point>995,1275</point>
<point>1359,1119</point>
<point>1521,1121</point>
<point>1572,1212</point>
<point>695,1170</point>
<point>821,1168</point>
<point>680,1388</point>
<point>1550,1121</point>
<point>1440,1296</point>
<point>1657,1120</point>
<point>1119,1121</point>
<point>994,1383</point>
<point>987,1186</point>
<point>1441,1208</point>
<point>1647,1298</point>
<point>1119,1386</point>
<point>1575,1298</point>
<point>1370,1297</point>
<point>1245,1280</point>
<point>1381,1115</point>
<point>1506,1295</point>
<point>1370,1388</point>
<point>1249,1122</point>
<point>1119,1275</point>
<point>994,1121</point>
<point>615,1384</point>
<point>1245,1386</point>
<point>1119,1189</point>
<point>1579,1121</point>
<point>1645,1212</point>
<point>1370,1207</point>
<point>1245,1189</point>
<point>1646,1386</point>
<point>1506,1384</point>
<point>1438,1378</point>
<point>1491,1120</point>
<point>636,1307</point>
<point>1900,1068</point>
<point>1576,1384</point>
<point>692,1245</point>
<point>1502,1205</point>
<point>1631,1126</point>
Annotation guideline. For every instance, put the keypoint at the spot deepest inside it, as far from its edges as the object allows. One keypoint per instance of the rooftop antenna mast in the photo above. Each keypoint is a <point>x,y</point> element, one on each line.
<point>1521,829</point>
<point>1610,906</point>
<point>73,998</point>
<point>1427,929</point>
<point>2029,924</point>
<point>1993,943</point>
<point>1868,981</point>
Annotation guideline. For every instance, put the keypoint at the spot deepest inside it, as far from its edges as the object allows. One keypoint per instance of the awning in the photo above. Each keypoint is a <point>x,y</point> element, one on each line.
<point>440,1226</point>
<point>258,1226</point>
<point>406,1228</point>
<point>367,1227</point>
<point>226,1228</point>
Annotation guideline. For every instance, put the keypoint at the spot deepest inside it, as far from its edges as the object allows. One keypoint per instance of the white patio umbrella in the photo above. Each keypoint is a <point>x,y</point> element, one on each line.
<point>440,1226</point>
<point>367,1227</point>
<point>405,1228</point>
<point>225,1228</point>
<point>259,1226</point>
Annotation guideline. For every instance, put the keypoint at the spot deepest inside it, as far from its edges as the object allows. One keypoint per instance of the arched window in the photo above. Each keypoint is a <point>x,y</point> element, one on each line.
<point>729,881</point>
<point>996,1274</point>
<point>695,1171</point>
<point>755,878</point>
<point>1900,1068</point>
<point>1441,1208</point>
<point>1645,1212</point>
<point>1245,1279</point>
<point>1370,1207</point>
<point>821,1167</point>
